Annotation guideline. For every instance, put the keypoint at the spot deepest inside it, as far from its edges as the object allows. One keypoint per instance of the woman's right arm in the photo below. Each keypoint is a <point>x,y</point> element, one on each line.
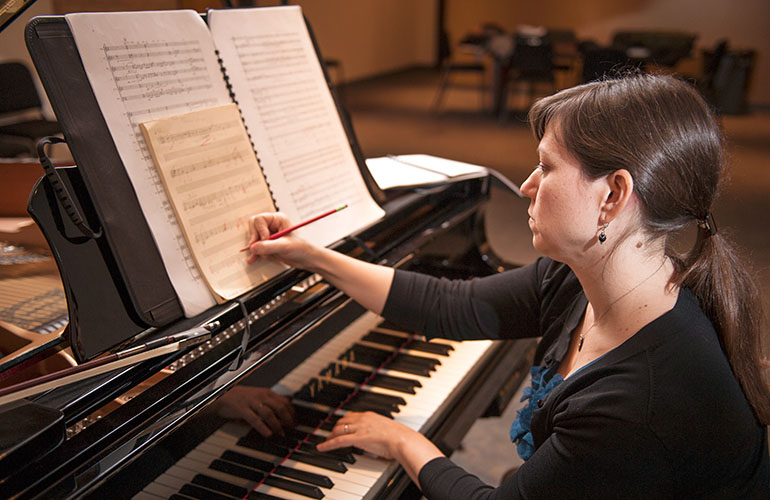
<point>368,284</point>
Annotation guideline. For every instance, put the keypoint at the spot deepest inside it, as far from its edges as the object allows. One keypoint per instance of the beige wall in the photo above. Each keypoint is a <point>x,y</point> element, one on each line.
<point>744,23</point>
<point>372,37</point>
<point>369,37</point>
<point>13,48</point>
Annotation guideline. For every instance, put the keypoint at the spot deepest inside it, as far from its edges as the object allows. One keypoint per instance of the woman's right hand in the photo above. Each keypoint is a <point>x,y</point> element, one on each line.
<point>287,249</point>
<point>366,283</point>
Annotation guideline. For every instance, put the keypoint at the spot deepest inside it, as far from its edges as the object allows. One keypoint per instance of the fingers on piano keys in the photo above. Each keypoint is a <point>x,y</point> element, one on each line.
<point>403,377</point>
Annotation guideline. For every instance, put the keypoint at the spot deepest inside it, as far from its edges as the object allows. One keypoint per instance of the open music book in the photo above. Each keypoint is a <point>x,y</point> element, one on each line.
<point>419,170</point>
<point>144,67</point>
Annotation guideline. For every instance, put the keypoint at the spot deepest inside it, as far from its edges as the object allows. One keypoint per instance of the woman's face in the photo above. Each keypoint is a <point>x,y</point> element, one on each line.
<point>564,211</point>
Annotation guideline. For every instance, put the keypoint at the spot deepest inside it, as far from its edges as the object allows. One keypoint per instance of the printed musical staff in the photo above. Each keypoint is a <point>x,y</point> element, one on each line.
<point>142,71</point>
<point>292,118</point>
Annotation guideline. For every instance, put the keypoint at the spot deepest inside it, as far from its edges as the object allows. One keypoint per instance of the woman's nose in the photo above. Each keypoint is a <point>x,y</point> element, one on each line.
<point>529,187</point>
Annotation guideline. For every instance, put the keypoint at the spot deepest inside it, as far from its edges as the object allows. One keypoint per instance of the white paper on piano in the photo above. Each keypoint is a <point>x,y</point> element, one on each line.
<point>144,66</point>
<point>419,169</point>
<point>287,107</point>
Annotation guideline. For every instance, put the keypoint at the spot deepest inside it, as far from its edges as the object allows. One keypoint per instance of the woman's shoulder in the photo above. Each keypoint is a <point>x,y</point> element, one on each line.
<point>548,276</point>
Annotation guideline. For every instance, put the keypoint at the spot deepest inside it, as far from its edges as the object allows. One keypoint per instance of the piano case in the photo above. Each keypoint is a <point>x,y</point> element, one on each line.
<point>116,286</point>
<point>134,291</point>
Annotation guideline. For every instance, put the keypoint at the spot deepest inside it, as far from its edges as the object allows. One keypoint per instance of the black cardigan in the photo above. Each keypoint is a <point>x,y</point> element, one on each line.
<point>660,416</point>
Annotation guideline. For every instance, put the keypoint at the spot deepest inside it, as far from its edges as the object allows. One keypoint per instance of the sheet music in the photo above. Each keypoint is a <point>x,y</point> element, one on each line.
<point>389,173</point>
<point>278,83</point>
<point>144,67</point>
<point>214,182</point>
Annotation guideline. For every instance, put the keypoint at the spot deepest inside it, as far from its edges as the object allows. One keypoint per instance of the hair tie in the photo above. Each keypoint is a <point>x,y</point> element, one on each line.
<point>708,224</point>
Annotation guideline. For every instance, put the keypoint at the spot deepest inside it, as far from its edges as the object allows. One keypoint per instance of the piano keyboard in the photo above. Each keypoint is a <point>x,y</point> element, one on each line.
<point>414,388</point>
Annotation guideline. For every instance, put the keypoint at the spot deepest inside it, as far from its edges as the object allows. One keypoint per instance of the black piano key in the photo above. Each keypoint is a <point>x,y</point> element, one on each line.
<point>383,354</point>
<point>224,487</point>
<point>358,406</point>
<point>317,459</point>
<point>341,454</point>
<point>290,442</point>
<point>375,363</point>
<point>236,470</point>
<point>384,399</point>
<point>179,497</point>
<point>255,475</point>
<point>389,325</point>
<point>195,491</point>
<point>295,487</point>
<point>414,344</point>
<point>311,417</point>
<point>418,365</point>
<point>230,489</point>
<point>265,466</point>
<point>345,454</point>
<point>358,376</point>
<point>406,366</point>
<point>331,394</point>
<point>356,403</point>
<point>304,436</point>
<point>256,495</point>
<point>309,445</point>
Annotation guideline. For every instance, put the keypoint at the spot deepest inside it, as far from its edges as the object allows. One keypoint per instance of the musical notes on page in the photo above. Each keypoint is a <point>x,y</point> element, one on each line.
<point>214,182</point>
<point>292,118</point>
<point>144,66</point>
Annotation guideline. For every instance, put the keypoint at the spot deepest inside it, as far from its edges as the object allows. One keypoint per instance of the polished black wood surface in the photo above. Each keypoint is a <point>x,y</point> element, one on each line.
<point>114,421</point>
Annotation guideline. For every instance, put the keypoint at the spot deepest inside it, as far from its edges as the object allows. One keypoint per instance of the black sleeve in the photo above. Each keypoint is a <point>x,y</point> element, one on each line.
<point>500,306</point>
<point>607,458</point>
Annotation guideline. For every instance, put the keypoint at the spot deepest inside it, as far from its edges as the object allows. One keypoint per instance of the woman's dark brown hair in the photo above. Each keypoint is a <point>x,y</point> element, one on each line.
<point>660,129</point>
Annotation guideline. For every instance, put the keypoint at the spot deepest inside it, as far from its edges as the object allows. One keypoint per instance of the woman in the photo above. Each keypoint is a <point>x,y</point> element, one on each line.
<point>647,379</point>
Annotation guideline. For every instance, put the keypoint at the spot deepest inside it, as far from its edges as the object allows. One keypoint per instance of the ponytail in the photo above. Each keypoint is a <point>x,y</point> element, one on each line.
<point>730,297</point>
<point>662,131</point>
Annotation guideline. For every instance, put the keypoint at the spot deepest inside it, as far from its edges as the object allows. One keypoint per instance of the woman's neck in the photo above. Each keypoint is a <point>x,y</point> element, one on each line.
<point>626,288</point>
<point>624,274</point>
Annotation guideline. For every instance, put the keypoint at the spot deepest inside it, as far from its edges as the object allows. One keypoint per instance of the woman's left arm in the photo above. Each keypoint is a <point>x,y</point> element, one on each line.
<point>385,438</point>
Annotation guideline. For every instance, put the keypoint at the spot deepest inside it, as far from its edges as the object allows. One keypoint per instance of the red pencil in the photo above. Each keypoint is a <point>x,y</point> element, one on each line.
<point>305,223</point>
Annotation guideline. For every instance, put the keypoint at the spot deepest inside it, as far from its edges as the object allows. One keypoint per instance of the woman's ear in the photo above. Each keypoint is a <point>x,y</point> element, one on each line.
<point>620,188</point>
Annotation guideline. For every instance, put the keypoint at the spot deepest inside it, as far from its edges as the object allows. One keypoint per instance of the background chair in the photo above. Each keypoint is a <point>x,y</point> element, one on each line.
<point>21,115</point>
<point>725,78</point>
<point>471,64</point>
<point>599,62</point>
<point>664,48</point>
<point>531,64</point>
<point>466,59</point>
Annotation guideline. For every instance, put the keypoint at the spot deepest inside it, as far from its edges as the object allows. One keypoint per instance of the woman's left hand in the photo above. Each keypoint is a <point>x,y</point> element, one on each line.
<point>369,431</point>
<point>383,437</point>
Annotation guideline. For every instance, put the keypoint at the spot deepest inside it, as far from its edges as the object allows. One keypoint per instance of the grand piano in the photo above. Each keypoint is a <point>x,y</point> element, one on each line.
<point>145,431</point>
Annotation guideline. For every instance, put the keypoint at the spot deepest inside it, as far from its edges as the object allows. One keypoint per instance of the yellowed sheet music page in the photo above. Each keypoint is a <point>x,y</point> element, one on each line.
<point>212,177</point>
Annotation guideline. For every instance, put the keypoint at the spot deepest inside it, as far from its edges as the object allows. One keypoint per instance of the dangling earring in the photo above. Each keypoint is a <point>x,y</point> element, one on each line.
<point>602,234</point>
